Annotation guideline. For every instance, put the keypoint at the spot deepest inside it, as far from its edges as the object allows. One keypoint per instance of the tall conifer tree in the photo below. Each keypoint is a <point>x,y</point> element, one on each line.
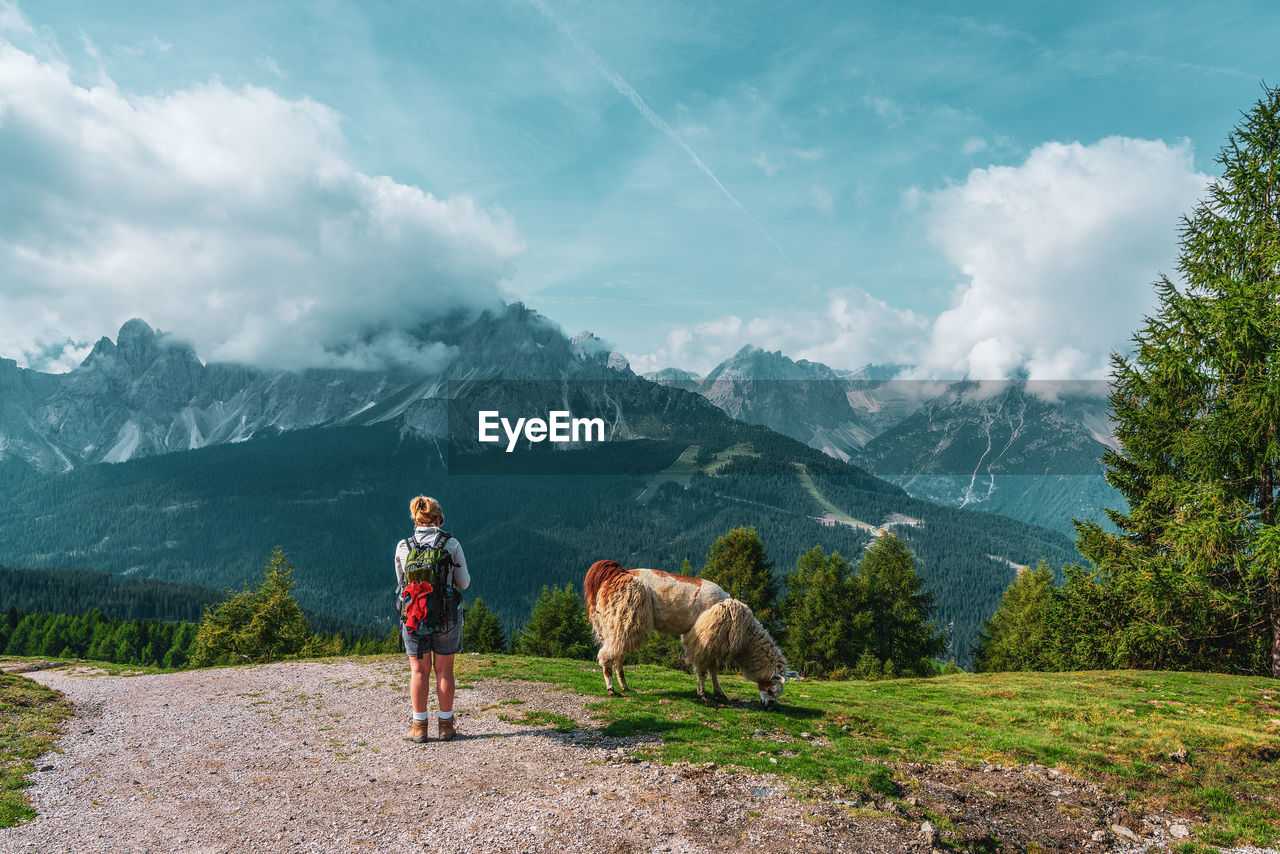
<point>902,634</point>
<point>1196,406</point>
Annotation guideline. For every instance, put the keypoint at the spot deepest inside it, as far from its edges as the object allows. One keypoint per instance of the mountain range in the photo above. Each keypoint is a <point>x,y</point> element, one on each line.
<point>1030,450</point>
<point>148,393</point>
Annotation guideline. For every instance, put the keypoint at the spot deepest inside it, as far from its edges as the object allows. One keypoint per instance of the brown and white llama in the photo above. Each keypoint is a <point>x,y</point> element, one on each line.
<point>624,605</point>
<point>728,631</point>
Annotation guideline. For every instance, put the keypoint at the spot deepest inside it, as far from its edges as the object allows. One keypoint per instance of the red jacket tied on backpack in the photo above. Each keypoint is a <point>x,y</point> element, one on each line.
<point>413,603</point>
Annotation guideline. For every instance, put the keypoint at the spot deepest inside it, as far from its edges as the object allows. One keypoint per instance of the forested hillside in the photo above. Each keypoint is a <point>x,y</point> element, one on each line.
<point>336,499</point>
<point>78,591</point>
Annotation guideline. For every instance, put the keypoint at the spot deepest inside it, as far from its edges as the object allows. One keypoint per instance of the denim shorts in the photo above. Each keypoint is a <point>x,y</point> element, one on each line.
<point>441,643</point>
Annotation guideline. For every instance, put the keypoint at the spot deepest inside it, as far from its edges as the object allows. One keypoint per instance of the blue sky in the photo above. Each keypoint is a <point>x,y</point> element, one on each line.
<point>965,188</point>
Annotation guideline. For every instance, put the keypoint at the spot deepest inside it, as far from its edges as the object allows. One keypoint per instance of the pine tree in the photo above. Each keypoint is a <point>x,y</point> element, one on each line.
<point>738,563</point>
<point>557,627</point>
<point>662,650</point>
<point>482,631</point>
<point>1197,409</point>
<point>903,637</point>
<point>1020,634</point>
<point>827,626</point>
<point>263,624</point>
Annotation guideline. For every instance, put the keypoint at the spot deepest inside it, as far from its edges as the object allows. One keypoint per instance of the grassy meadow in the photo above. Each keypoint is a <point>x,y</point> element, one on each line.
<point>30,717</point>
<point>1114,728</point>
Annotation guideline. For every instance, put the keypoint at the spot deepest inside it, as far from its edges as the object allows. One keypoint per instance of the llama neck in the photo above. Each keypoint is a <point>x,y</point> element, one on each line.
<point>760,658</point>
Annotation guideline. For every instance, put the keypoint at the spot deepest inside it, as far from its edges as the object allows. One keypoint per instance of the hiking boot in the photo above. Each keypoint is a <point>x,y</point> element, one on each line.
<point>418,732</point>
<point>446,728</point>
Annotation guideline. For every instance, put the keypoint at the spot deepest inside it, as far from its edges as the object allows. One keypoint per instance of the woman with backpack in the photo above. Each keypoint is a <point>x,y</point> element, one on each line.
<point>430,570</point>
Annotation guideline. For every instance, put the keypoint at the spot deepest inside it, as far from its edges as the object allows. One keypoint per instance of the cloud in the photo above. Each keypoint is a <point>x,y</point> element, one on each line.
<point>1057,256</point>
<point>886,108</point>
<point>772,166</point>
<point>822,200</point>
<point>269,65</point>
<point>850,330</point>
<point>769,167</point>
<point>13,22</point>
<point>229,217</point>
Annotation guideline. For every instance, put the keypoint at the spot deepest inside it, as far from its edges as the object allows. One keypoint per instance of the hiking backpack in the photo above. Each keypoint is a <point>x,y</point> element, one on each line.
<point>428,602</point>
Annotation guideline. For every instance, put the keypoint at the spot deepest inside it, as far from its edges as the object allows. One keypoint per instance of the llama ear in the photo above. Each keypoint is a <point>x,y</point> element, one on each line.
<point>791,674</point>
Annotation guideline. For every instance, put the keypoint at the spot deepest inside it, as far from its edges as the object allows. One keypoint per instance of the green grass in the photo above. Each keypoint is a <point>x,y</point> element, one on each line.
<point>89,668</point>
<point>559,723</point>
<point>681,471</point>
<point>723,458</point>
<point>30,716</point>
<point>812,488</point>
<point>1115,728</point>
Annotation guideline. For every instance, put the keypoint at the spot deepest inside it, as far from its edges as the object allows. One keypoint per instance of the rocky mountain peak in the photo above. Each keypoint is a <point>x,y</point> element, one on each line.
<point>591,347</point>
<point>752,363</point>
<point>104,350</point>
<point>136,344</point>
<point>674,376</point>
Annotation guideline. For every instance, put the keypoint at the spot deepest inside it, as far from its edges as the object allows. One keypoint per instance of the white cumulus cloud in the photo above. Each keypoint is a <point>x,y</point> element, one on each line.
<point>1057,256</point>
<point>850,330</point>
<point>232,218</point>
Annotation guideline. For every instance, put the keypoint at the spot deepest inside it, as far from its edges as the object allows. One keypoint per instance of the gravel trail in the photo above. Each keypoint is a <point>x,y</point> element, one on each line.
<point>309,757</point>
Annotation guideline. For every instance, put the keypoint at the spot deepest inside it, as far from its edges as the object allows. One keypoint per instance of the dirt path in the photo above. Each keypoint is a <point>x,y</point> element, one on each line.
<point>309,757</point>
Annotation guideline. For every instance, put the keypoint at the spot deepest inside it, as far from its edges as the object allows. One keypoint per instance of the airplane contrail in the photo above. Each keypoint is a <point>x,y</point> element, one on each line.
<point>627,91</point>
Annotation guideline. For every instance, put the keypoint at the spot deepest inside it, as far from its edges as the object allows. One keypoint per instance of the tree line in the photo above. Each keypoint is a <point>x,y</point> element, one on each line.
<point>93,636</point>
<point>833,618</point>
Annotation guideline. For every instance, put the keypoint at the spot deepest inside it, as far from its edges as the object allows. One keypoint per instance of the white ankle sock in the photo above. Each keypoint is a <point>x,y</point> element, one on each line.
<point>444,716</point>
<point>421,716</point>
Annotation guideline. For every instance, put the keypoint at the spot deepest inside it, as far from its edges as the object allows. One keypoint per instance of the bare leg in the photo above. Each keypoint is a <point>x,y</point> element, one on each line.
<point>702,679</point>
<point>622,676</point>
<point>715,686</point>
<point>445,683</point>
<point>419,686</point>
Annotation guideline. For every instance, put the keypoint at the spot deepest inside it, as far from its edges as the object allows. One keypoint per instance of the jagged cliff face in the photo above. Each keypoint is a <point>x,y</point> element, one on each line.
<point>836,412</point>
<point>146,393</point>
<point>1013,432</point>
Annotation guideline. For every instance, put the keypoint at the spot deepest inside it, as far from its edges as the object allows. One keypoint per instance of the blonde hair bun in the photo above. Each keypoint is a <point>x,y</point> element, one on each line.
<point>426,511</point>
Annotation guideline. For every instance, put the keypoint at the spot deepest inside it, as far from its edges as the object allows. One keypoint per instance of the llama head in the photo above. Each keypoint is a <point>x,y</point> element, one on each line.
<point>771,688</point>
